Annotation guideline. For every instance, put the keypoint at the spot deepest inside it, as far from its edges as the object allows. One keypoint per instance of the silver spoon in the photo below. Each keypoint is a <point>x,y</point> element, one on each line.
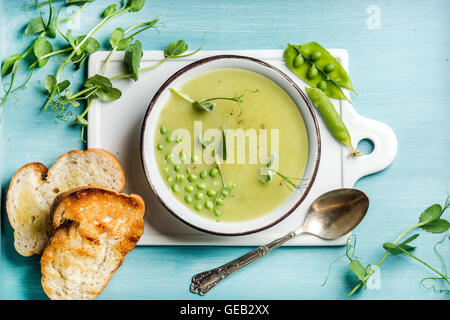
<point>330,216</point>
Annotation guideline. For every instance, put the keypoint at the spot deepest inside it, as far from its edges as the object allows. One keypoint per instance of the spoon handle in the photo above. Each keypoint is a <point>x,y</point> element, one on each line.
<point>205,281</point>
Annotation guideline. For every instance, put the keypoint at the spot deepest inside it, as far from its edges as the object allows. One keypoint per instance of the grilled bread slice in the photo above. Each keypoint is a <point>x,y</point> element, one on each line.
<point>95,229</point>
<point>33,189</point>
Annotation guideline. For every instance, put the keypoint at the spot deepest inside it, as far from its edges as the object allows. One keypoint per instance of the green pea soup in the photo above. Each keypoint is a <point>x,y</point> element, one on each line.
<point>264,105</point>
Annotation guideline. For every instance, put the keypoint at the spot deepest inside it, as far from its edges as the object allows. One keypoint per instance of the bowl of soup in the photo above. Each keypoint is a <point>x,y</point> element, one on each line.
<point>230,145</point>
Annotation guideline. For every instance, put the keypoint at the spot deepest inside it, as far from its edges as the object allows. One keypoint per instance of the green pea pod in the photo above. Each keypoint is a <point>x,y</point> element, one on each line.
<point>327,64</point>
<point>303,70</point>
<point>332,118</point>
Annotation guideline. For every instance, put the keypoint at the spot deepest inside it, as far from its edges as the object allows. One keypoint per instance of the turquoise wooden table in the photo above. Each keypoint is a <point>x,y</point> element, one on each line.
<point>399,64</point>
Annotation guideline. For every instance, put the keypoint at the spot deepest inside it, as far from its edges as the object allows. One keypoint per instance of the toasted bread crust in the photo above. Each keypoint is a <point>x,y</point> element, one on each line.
<point>36,168</point>
<point>90,221</point>
<point>87,197</point>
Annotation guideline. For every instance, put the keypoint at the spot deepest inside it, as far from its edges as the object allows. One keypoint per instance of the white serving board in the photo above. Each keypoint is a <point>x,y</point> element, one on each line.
<point>116,127</point>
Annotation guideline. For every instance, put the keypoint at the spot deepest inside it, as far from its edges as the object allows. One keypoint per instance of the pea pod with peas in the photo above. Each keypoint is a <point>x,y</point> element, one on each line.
<point>318,68</point>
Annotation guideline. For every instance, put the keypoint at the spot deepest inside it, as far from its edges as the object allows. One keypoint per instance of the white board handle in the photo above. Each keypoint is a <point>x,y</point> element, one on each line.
<point>385,146</point>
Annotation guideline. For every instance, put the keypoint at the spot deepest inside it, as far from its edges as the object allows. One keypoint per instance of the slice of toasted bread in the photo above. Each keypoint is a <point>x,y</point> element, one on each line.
<point>95,229</point>
<point>33,189</point>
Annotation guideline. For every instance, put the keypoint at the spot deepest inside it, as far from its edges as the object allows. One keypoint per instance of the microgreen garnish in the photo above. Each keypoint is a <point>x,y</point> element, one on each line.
<point>223,149</point>
<point>8,64</point>
<point>41,48</point>
<point>430,282</point>
<point>40,24</point>
<point>119,42</point>
<point>160,62</point>
<point>202,142</point>
<point>78,48</point>
<point>36,25</point>
<point>110,10</point>
<point>430,221</point>
<point>133,56</point>
<point>290,182</point>
<point>220,148</point>
<point>81,47</point>
<point>224,191</point>
<point>175,48</point>
<point>208,104</point>
<point>103,88</point>
<point>220,152</point>
<point>267,172</point>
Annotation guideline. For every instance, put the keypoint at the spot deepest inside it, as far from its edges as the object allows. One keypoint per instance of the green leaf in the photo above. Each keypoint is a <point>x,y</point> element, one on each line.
<point>357,268</point>
<point>108,94</point>
<point>410,239</point>
<point>105,91</point>
<point>49,83</point>
<point>123,44</point>
<point>70,38</point>
<point>99,81</point>
<point>110,10</point>
<point>41,47</point>
<point>50,29</point>
<point>389,246</point>
<point>116,36</point>
<point>77,42</point>
<point>437,226</point>
<point>204,106</point>
<point>117,39</point>
<point>78,60</point>
<point>36,25</point>
<point>395,249</point>
<point>175,48</point>
<point>63,85</point>
<point>90,46</point>
<point>133,57</point>
<point>430,214</point>
<point>8,64</point>
<point>135,5</point>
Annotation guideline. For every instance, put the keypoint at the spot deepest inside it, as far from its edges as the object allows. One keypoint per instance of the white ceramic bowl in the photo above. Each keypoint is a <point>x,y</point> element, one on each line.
<point>163,192</point>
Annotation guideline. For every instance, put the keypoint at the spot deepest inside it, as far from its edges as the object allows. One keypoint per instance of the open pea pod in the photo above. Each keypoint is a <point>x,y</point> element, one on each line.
<point>304,67</point>
<point>327,64</point>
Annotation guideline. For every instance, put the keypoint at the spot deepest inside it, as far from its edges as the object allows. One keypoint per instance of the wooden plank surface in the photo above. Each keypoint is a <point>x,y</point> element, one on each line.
<point>400,69</point>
